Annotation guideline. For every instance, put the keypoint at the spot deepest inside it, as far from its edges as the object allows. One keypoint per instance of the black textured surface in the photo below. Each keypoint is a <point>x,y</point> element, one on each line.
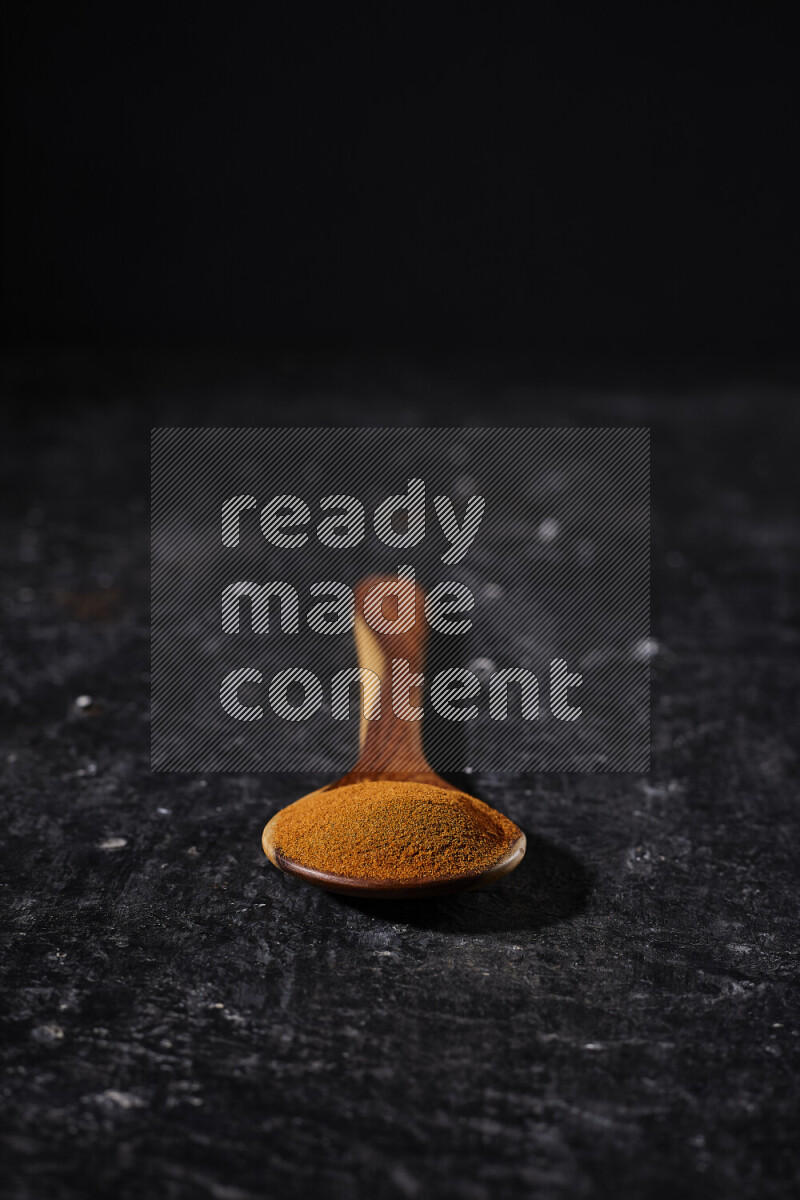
<point>618,1018</point>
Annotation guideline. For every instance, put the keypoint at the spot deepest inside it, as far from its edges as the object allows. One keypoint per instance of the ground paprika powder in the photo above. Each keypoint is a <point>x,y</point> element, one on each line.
<point>393,831</point>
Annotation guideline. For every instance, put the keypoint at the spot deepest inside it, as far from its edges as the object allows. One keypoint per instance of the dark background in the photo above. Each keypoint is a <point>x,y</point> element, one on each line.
<point>455,215</point>
<point>574,181</point>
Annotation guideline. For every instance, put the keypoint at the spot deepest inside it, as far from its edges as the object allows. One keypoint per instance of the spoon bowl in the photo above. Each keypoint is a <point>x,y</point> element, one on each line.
<point>386,889</point>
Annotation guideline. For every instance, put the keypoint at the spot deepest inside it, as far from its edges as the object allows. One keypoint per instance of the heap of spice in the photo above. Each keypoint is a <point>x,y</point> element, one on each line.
<point>393,831</point>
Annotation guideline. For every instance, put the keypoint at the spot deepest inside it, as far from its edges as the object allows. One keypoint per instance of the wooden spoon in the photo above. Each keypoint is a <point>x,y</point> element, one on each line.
<point>391,749</point>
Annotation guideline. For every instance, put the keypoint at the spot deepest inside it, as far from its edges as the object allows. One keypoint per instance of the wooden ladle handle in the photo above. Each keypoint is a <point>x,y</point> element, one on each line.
<point>391,736</point>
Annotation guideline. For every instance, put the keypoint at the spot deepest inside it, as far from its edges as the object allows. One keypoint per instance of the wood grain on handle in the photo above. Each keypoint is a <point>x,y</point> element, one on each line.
<point>391,748</point>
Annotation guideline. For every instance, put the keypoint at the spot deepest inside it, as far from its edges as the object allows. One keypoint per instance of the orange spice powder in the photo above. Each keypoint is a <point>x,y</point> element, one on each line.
<point>393,831</point>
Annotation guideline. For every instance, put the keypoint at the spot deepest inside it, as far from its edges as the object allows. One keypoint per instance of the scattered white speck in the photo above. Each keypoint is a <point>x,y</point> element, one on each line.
<point>122,1099</point>
<point>83,701</point>
<point>482,667</point>
<point>548,530</point>
<point>193,851</point>
<point>218,1005</point>
<point>593,1046</point>
<point>113,843</point>
<point>48,1033</point>
<point>645,649</point>
<point>777,1025</point>
<point>163,812</point>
